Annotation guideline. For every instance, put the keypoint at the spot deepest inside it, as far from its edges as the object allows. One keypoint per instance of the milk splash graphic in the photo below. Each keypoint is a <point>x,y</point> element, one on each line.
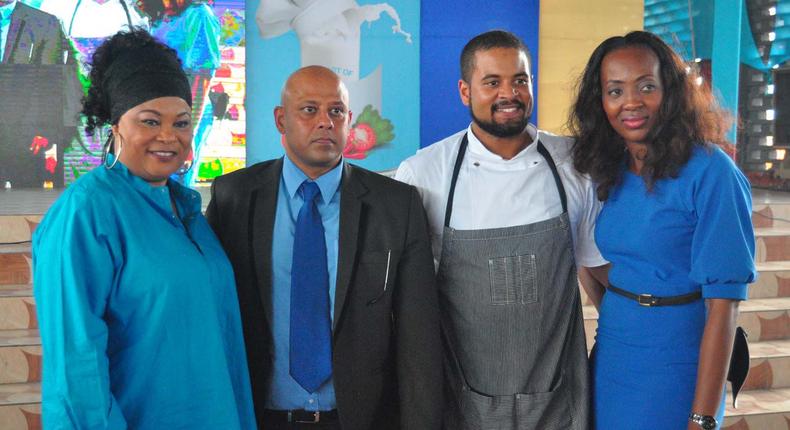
<point>329,35</point>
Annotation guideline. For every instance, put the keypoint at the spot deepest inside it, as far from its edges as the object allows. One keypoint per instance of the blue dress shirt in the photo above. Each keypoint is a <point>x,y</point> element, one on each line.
<point>285,393</point>
<point>5,25</point>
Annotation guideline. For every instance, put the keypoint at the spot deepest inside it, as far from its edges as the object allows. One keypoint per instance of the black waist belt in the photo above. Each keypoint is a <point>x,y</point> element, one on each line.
<point>650,300</point>
<point>301,416</point>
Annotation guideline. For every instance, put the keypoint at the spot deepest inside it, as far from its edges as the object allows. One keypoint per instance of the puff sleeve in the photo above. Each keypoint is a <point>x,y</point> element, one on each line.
<point>722,249</point>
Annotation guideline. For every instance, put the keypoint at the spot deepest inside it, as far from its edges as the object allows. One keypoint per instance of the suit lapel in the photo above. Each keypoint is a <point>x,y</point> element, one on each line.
<point>263,205</point>
<point>351,192</point>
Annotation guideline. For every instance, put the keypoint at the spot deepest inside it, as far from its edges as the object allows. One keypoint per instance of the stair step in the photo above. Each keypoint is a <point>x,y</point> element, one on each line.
<point>772,231</point>
<point>17,313</point>
<point>759,410</point>
<point>769,367</point>
<point>772,243</point>
<point>20,356</point>
<point>766,319</point>
<point>21,417</point>
<point>17,228</point>
<point>771,215</point>
<point>773,280</point>
<point>15,248</point>
<point>16,290</point>
<point>20,394</point>
<point>13,338</point>
<point>772,248</point>
<point>15,264</point>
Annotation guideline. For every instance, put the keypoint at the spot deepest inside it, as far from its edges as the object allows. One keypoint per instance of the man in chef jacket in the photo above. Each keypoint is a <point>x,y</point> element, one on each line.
<point>510,221</point>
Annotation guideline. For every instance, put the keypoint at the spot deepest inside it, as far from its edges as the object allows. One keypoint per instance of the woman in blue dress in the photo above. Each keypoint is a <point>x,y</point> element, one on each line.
<point>136,299</point>
<point>675,227</point>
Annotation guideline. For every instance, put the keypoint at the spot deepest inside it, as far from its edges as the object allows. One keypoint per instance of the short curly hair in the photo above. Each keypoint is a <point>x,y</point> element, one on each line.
<point>96,105</point>
<point>489,40</point>
<point>689,115</point>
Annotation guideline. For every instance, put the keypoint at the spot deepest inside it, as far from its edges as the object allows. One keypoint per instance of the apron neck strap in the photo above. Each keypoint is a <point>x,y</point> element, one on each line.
<point>560,188</point>
<point>459,159</point>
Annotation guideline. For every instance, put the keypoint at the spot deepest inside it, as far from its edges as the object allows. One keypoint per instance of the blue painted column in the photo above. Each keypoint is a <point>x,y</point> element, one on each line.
<point>725,60</point>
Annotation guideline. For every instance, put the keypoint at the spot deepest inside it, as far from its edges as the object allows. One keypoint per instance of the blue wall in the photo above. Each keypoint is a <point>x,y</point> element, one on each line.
<point>446,27</point>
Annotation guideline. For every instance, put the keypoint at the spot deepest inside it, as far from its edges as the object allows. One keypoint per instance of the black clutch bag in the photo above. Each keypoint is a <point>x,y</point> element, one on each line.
<point>739,363</point>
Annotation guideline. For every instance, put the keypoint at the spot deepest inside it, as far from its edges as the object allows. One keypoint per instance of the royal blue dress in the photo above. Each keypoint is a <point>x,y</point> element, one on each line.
<point>138,311</point>
<point>691,233</point>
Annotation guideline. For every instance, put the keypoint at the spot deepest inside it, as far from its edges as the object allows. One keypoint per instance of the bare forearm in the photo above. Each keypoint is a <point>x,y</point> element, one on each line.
<point>714,357</point>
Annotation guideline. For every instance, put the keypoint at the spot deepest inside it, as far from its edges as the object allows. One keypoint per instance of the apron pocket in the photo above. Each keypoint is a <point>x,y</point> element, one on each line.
<point>544,411</point>
<point>513,280</point>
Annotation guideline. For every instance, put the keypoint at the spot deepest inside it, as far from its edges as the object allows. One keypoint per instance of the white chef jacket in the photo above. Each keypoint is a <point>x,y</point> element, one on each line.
<point>492,192</point>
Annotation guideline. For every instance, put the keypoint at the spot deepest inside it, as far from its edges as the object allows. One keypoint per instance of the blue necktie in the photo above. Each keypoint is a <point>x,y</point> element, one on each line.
<point>311,329</point>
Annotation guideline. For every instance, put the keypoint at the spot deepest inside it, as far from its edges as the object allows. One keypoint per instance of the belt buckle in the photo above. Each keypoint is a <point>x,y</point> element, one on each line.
<point>316,419</point>
<point>646,300</point>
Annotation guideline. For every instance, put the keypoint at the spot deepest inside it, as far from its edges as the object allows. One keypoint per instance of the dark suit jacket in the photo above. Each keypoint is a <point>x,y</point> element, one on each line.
<point>31,27</point>
<point>386,344</point>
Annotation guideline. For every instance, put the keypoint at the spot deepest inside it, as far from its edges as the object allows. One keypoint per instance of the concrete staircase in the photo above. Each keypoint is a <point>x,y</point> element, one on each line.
<point>763,405</point>
<point>20,346</point>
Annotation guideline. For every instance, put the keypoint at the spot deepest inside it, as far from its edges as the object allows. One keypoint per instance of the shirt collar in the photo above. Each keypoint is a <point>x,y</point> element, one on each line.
<point>189,201</point>
<point>476,146</point>
<point>328,183</point>
<point>5,11</point>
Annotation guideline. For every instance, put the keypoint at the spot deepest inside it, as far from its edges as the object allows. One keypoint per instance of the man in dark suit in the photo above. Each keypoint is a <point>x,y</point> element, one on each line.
<point>41,95</point>
<point>370,355</point>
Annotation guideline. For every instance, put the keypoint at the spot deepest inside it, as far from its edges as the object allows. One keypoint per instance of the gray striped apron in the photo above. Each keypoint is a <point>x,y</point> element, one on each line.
<point>512,326</point>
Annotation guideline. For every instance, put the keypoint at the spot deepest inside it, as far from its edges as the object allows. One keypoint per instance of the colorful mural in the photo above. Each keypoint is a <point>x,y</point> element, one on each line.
<point>209,37</point>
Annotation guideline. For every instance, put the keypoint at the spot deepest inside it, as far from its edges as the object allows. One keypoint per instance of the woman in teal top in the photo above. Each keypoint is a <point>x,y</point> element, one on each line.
<point>676,228</point>
<point>136,300</point>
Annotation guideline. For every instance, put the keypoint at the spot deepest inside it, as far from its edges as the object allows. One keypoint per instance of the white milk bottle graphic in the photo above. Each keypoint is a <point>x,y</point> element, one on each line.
<point>329,35</point>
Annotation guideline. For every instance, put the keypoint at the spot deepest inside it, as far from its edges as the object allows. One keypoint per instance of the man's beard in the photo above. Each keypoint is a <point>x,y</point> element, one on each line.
<point>508,129</point>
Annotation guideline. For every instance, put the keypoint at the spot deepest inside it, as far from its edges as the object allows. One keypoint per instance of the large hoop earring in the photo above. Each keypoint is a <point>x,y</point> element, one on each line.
<point>183,171</point>
<point>108,145</point>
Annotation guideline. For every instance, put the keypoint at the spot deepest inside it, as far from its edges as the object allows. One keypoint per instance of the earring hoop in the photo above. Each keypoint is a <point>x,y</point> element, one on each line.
<point>108,146</point>
<point>183,171</point>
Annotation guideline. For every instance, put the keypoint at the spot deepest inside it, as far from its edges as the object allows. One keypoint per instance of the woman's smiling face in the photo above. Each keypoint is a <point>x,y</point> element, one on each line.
<point>156,137</point>
<point>632,92</point>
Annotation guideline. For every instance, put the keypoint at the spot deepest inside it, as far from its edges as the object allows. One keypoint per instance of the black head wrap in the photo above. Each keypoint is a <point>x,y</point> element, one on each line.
<point>140,75</point>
